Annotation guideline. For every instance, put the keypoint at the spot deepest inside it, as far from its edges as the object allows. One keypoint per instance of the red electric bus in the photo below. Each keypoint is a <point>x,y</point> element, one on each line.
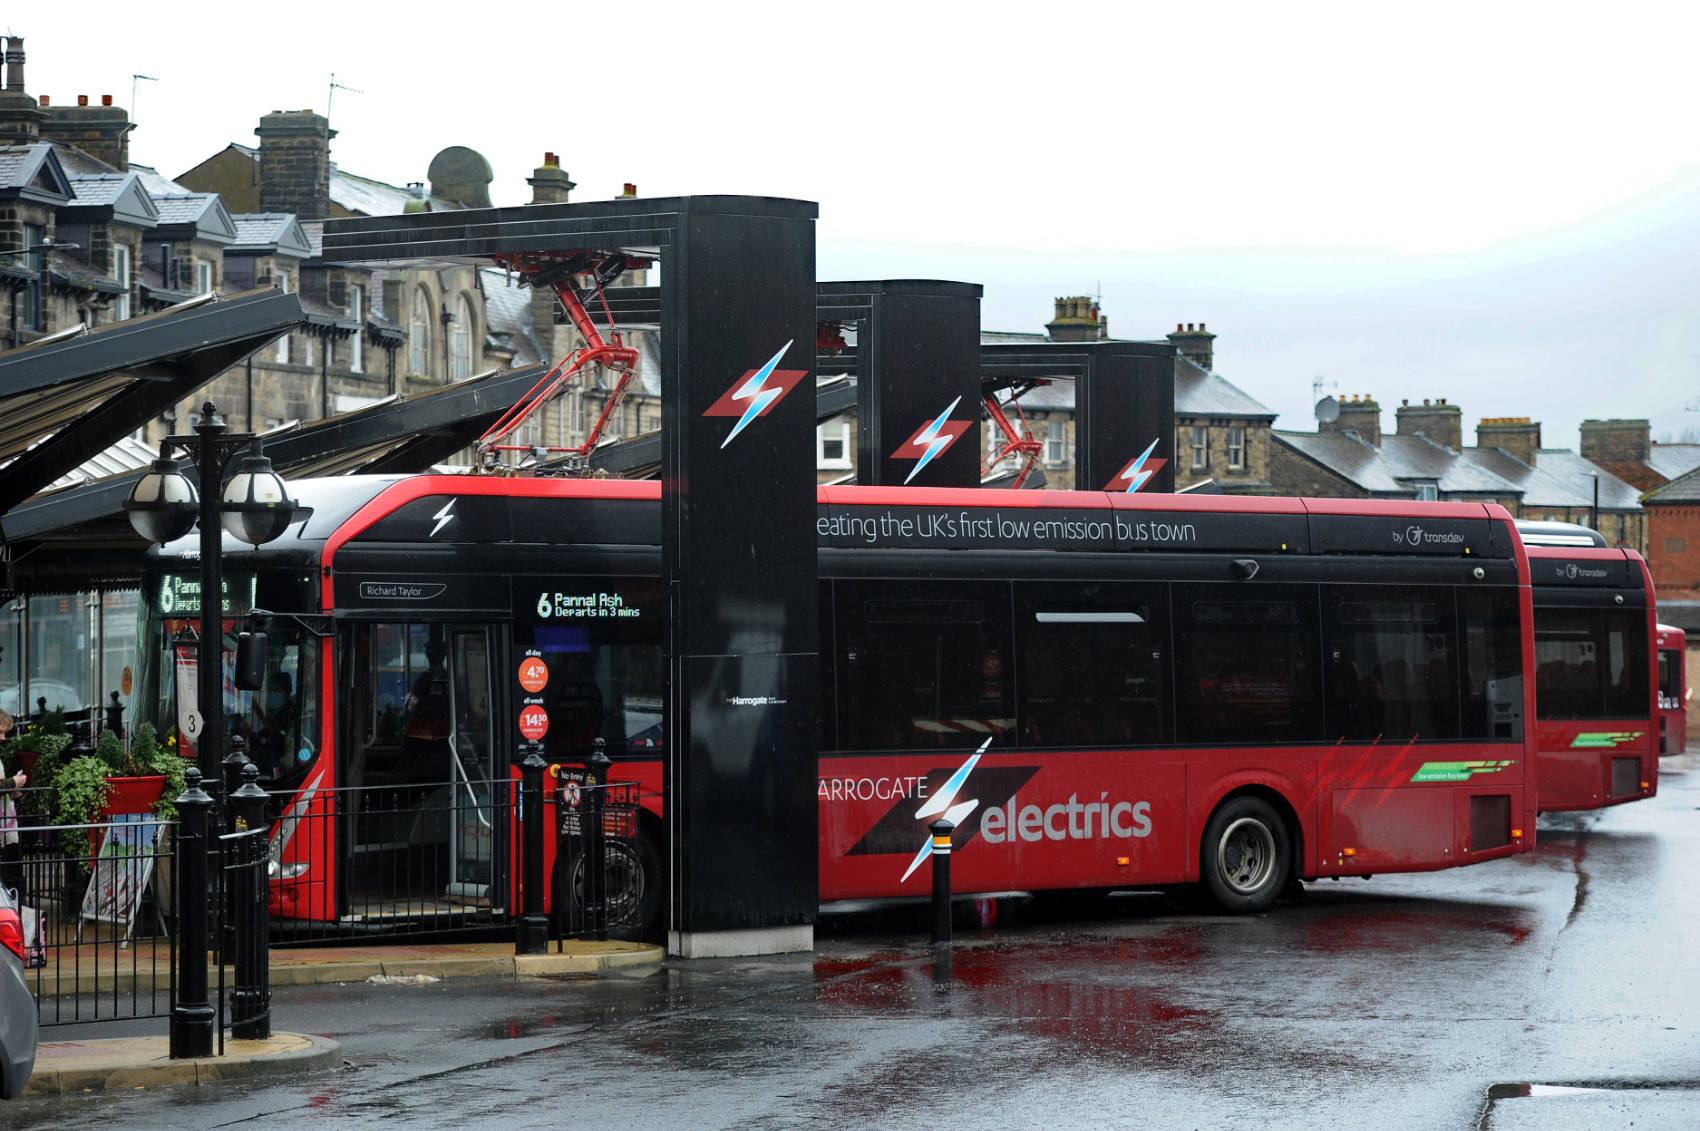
<point>1674,692</point>
<point>1596,699</point>
<point>1100,690</point>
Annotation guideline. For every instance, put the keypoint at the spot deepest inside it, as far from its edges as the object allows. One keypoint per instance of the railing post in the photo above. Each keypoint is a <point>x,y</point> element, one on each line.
<point>192,1016</point>
<point>230,780</point>
<point>531,930</point>
<point>251,997</point>
<point>941,829</point>
<point>595,854</point>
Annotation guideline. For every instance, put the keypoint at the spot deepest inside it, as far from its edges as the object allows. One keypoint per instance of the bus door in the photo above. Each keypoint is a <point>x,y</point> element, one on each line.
<point>472,850</point>
<point>416,777</point>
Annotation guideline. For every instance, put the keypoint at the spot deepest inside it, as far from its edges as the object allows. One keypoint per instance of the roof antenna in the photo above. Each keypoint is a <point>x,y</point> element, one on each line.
<point>330,94</point>
<point>134,79</point>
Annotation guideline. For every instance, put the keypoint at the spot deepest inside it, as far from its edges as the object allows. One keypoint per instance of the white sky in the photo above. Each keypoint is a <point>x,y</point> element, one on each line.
<point>988,142</point>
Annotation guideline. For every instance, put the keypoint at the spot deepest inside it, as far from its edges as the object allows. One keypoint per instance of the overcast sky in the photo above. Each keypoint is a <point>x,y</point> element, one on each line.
<point>1233,163</point>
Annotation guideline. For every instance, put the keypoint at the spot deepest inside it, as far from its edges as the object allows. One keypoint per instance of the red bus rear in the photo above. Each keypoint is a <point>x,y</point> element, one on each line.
<point>1673,689</point>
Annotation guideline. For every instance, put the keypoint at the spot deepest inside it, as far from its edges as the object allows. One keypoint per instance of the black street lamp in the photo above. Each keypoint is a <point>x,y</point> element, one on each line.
<point>164,505</point>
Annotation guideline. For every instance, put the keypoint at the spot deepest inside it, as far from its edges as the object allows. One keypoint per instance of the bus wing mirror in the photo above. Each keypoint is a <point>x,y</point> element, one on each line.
<point>250,661</point>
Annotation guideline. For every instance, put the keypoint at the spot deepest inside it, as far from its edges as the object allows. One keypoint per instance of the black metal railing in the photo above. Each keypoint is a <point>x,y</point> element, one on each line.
<point>403,859</point>
<point>97,910</point>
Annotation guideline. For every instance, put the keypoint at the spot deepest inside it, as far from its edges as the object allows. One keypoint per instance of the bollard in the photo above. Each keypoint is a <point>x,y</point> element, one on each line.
<point>531,929</point>
<point>595,852</point>
<point>941,880</point>
<point>192,1015</point>
<point>251,996</point>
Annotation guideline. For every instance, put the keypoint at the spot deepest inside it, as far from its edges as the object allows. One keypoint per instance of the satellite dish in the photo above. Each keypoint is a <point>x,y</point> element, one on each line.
<point>1327,410</point>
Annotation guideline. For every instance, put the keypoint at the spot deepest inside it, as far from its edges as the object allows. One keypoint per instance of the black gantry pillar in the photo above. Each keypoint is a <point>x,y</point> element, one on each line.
<point>738,559</point>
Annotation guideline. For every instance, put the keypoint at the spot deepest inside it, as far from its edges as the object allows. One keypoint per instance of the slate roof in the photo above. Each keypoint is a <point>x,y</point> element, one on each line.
<point>270,231</point>
<point>1682,490</point>
<point>507,315</point>
<point>1559,479</point>
<point>33,172</point>
<point>1202,392</point>
<point>1673,461</point>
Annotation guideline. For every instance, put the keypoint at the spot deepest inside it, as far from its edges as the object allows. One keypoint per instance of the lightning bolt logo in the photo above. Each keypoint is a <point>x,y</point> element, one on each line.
<point>931,440</point>
<point>443,517</point>
<point>752,396</point>
<point>1137,472</point>
<point>942,802</point>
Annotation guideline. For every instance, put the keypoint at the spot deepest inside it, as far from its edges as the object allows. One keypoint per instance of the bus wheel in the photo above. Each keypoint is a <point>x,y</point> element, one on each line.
<point>631,886</point>
<point>1245,861</point>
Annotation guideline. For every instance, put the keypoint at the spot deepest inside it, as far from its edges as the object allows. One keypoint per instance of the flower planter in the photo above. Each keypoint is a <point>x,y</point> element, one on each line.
<point>132,795</point>
<point>126,796</point>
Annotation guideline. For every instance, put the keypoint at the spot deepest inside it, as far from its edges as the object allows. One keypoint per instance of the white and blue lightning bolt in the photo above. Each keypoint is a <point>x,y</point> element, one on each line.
<point>758,396</point>
<point>443,517</point>
<point>940,802</point>
<point>1136,475</point>
<point>930,437</point>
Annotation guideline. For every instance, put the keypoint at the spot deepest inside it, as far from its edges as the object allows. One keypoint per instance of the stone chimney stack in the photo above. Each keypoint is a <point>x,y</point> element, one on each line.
<point>1361,415</point>
<point>295,163</point>
<point>1199,344</point>
<point>1517,436</point>
<point>20,117</point>
<point>1440,423</point>
<point>1616,441</point>
<point>102,132</point>
<point>549,182</point>
<point>1078,320</point>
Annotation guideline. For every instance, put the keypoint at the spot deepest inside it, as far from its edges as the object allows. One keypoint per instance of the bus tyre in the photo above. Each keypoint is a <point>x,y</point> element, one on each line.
<point>1245,861</point>
<point>632,887</point>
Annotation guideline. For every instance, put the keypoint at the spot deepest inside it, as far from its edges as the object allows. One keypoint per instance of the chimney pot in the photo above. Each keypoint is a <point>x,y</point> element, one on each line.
<point>45,101</point>
<point>630,189</point>
<point>106,100</point>
<point>1405,402</point>
<point>1201,327</point>
<point>82,100</point>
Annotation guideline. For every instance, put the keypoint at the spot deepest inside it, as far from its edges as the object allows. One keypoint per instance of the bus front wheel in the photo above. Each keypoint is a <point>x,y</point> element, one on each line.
<point>632,887</point>
<point>1245,859</point>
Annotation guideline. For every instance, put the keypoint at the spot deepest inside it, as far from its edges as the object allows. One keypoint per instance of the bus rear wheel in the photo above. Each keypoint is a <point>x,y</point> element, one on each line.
<point>1245,859</point>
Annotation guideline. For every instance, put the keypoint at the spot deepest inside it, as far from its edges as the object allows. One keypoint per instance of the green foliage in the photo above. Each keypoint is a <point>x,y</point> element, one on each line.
<point>49,751</point>
<point>79,792</point>
<point>154,758</point>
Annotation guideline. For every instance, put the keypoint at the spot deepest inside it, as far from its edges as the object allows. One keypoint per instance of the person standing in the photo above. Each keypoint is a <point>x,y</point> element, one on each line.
<point>11,852</point>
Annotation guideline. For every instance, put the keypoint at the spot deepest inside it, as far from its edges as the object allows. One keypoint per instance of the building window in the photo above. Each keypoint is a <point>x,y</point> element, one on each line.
<point>32,301</point>
<point>121,272</point>
<point>1056,442</point>
<point>1427,492</point>
<point>419,333</point>
<point>1200,450</point>
<point>203,276</point>
<point>357,313</point>
<point>1236,449</point>
<point>832,446</point>
<point>1676,545</point>
<point>462,340</point>
<point>281,280</point>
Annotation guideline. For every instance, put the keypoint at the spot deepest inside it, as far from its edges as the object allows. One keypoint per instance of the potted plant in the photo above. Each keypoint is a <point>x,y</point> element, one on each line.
<point>113,781</point>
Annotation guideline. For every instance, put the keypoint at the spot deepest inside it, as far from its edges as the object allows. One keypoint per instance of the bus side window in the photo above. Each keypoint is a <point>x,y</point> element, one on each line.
<point>1093,664</point>
<point>923,664</point>
<point>1245,669</point>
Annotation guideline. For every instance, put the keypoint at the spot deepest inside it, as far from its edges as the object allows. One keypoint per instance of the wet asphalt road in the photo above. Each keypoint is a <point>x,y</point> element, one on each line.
<point>1552,990</point>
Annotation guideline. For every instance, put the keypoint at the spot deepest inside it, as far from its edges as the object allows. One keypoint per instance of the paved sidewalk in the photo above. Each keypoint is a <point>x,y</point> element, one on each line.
<point>138,1062</point>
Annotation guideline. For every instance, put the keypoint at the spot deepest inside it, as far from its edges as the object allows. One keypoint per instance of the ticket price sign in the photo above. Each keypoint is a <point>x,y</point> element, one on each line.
<point>533,722</point>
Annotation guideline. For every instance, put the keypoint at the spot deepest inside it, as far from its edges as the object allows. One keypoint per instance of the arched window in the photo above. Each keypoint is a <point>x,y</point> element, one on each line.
<point>462,340</point>
<point>419,333</point>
